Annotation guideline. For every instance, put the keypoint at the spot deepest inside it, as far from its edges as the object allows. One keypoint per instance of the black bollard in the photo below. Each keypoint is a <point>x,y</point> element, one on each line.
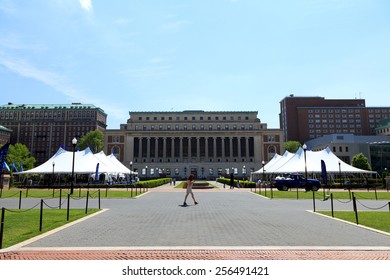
<point>20,200</point>
<point>41,216</point>
<point>314,202</point>
<point>355,208</point>
<point>59,206</point>
<point>67,208</point>
<point>86,203</point>
<point>331,204</point>
<point>99,197</point>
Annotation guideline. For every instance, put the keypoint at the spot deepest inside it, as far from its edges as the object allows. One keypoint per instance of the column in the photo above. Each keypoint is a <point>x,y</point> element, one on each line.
<point>156,147</point>
<point>148,148</point>
<point>215,148</point>
<point>206,148</point>
<point>198,148</point>
<point>164,148</point>
<point>181,149</point>
<point>247,146</point>
<point>231,147</point>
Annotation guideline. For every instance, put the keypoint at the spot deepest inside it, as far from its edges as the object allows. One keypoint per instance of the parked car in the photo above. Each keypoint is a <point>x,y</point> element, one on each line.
<point>294,181</point>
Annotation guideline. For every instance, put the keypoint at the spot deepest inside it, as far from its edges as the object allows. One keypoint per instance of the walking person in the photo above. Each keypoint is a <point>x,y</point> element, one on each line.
<point>189,183</point>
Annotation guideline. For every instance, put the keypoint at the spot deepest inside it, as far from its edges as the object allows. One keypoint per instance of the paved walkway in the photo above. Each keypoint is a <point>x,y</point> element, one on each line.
<point>227,224</point>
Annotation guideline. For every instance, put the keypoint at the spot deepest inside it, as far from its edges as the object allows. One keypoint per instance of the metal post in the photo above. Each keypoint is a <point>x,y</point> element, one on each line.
<point>86,203</point>
<point>67,208</point>
<point>59,206</point>
<point>41,216</point>
<point>331,204</point>
<point>99,197</point>
<point>355,208</point>
<point>314,202</point>
<point>20,199</point>
<point>2,227</point>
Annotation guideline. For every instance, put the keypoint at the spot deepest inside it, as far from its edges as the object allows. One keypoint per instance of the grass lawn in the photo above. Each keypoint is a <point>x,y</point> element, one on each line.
<point>342,195</point>
<point>20,225</point>
<point>47,193</point>
<point>373,219</point>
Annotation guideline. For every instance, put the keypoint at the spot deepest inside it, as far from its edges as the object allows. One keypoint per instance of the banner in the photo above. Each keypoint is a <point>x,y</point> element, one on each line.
<point>5,166</point>
<point>3,153</point>
<point>323,173</point>
<point>97,172</point>
<point>14,167</point>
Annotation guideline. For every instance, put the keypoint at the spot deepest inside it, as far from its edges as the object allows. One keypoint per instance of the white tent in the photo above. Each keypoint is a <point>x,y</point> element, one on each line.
<point>275,158</point>
<point>61,162</point>
<point>275,163</point>
<point>296,163</point>
<point>120,166</point>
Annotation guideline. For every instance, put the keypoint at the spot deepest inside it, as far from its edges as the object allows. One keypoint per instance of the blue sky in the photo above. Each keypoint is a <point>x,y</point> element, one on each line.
<point>154,55</point>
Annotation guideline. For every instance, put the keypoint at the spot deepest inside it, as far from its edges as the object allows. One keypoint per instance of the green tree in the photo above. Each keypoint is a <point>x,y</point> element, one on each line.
<point>19,154</point>
<point>291,146</point>
<point>361,161</point>
<point>93,139</point>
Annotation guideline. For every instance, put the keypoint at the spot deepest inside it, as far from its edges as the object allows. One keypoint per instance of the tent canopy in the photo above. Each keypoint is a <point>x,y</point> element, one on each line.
<point>85,162</point>
<point>295,163</point>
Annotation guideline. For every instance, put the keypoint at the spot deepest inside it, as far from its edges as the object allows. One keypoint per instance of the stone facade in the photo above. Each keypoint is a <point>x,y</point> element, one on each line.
<point>208,144</point>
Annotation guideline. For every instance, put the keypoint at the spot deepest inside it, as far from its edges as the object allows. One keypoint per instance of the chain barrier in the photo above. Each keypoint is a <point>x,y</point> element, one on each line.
<point>372,208</point>
<point>344,201</point>
<point>11,195</point>
<point>24,210</point>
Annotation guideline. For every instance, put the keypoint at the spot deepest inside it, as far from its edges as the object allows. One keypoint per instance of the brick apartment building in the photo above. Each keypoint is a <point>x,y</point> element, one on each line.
<point>307,118</point>
<point>43,128</point>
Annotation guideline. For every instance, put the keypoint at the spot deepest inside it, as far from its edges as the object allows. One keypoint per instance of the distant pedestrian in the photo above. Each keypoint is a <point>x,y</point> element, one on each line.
<point>189,183</point>
<point>231,181</point>
<point>174,181</point>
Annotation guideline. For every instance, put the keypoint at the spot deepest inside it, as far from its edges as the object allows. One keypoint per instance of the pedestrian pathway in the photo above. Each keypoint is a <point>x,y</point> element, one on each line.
<point>226,224</point>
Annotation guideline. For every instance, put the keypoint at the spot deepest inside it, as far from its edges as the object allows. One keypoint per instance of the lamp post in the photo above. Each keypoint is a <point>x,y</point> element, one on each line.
<point>146,172</point>
<point>131,170</point>
<point>74,143</point>
<point>262,179</point>
<point>340,172</point>
<point>304,147</point>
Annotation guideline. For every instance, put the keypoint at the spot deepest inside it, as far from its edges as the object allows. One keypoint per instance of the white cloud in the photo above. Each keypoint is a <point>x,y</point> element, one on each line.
<point>86,5</point>
<point>51,79</point>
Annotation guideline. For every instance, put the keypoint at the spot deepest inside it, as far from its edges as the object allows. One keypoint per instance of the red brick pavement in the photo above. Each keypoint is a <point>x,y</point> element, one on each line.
<point>197,255</point>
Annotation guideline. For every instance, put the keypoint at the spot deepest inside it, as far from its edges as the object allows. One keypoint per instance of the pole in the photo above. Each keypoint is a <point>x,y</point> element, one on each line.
<point>355,208</point>
<point>331,204</point>
<point>59,207</point>
<point>99,197</point>
<point>20,199</point>
<point>86,203</point>
<point>67,208</point>
<point>314,202</point>
<point>41,216</point>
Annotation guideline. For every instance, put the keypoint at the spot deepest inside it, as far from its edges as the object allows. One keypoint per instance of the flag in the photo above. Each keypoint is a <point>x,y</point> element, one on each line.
<point>14,167</point>
<point>97,172</point>
<point>21,166</point>
<point>323,173</point>
<point>3,153</point>
<point>5,166</point>
<point>90,147</point>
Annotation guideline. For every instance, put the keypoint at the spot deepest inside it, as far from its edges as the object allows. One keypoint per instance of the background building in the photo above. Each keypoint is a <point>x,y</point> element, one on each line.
<point>346,146</point>
<point>306,118</point>
<point>208,144</point>
<point>43,128</point>
<point>5,135</point>
<point>383,127</point>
